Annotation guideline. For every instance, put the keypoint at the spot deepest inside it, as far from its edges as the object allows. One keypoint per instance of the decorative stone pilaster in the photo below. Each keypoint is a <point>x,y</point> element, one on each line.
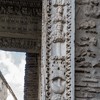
<point>56,50</point>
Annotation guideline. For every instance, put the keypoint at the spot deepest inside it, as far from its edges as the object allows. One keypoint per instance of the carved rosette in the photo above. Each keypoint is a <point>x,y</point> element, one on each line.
<point>57,57</point>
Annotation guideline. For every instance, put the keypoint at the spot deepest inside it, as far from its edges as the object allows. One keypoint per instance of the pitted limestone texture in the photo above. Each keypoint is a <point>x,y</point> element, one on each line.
<point>87,84</point>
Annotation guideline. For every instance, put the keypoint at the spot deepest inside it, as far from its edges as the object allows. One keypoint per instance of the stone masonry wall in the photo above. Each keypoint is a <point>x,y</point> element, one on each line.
<point>87,42</point>
<point>31,77</point>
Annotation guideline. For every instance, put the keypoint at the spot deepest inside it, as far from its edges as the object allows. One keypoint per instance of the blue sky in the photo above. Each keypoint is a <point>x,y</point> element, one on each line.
<point>12,65</point>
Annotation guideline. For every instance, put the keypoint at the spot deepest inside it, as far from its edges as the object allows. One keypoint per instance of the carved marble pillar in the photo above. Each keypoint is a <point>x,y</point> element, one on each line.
<point>57,61</point>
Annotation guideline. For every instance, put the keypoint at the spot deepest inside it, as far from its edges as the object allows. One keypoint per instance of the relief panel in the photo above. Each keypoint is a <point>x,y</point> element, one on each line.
<point>56,50</point>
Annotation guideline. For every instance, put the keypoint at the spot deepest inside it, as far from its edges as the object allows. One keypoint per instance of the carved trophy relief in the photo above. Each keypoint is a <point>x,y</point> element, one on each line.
<point>58,50</point>
<point>59,28</point>
<point>58,35</point>
<point>59,18</point>
<point>60,9</point>
<point>58,79</point>
<point>58,83</point>
<point>59,21</point>
<point>59,15</point>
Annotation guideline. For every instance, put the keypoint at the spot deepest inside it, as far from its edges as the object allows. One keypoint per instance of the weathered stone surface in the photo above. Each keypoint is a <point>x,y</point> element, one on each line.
<point>93,41</point>
<point>87,24</point>
<point>56,50</point>
<point>82,2</point>
<point>84,38</point>
<point>92,10</point>
<point>87,76</point>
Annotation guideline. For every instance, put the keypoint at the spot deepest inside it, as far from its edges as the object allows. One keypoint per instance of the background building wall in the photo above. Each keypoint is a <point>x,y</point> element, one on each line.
<point>87,66</point>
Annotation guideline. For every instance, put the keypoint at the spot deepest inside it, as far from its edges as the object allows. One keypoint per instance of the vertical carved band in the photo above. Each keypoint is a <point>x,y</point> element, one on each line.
<point>68,51</point>
<point>56,63</point>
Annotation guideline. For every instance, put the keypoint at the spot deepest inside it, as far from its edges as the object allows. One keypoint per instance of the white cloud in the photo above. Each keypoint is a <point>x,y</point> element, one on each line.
<point>15,74</point>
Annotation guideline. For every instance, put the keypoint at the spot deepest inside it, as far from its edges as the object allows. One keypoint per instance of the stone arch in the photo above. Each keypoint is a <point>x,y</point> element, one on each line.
<point>20,30</point>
